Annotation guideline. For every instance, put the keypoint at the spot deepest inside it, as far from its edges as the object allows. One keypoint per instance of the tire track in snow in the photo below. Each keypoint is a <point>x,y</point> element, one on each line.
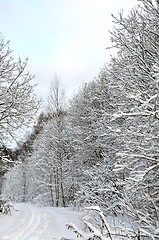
<point>26,225</point>
<point>37,223</point>
<point>32,225</point>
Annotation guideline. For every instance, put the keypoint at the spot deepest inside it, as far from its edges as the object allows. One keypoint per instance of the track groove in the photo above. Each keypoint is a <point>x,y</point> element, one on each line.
<point>36,223</point>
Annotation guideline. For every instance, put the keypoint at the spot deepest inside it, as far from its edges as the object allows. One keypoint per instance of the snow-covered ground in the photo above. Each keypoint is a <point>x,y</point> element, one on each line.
<point>29,222</point>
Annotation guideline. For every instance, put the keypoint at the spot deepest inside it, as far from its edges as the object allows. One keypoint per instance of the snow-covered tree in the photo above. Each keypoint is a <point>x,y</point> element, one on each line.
<point>135,73</point>
<point>44,167</point>
<point>14,183</point>
<point>18,104</point>
<point>56,107</point>
<point>94,143</point>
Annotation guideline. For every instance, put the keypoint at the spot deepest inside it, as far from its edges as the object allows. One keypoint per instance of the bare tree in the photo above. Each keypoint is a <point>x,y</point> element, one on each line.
<point>18,104</point>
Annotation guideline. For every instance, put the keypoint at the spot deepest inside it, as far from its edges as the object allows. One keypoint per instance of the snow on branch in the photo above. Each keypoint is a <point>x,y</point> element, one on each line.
<point>95,226</point>
<point>99,228</point>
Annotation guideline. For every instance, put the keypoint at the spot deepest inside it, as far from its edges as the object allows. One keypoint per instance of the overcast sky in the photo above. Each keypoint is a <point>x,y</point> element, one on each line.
<point>66,37</point>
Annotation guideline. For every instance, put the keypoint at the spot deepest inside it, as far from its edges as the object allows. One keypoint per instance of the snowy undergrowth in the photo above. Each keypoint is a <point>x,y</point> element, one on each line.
<point>97,226</point>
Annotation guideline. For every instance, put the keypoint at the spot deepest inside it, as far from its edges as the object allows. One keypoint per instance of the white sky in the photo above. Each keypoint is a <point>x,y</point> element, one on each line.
<point>66,37</point>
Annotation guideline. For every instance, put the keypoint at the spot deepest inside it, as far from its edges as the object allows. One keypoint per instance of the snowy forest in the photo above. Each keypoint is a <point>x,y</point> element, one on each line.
<point>101,148</point>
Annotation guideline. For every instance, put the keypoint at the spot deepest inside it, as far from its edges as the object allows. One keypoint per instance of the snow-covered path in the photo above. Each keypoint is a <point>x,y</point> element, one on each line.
<point>29,222</point>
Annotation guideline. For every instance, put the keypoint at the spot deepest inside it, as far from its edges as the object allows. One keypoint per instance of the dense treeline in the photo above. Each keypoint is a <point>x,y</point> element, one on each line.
<point>104,148</point>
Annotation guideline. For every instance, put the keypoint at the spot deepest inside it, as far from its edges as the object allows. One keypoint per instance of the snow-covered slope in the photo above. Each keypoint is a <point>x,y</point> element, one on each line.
<point>29,222</point>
